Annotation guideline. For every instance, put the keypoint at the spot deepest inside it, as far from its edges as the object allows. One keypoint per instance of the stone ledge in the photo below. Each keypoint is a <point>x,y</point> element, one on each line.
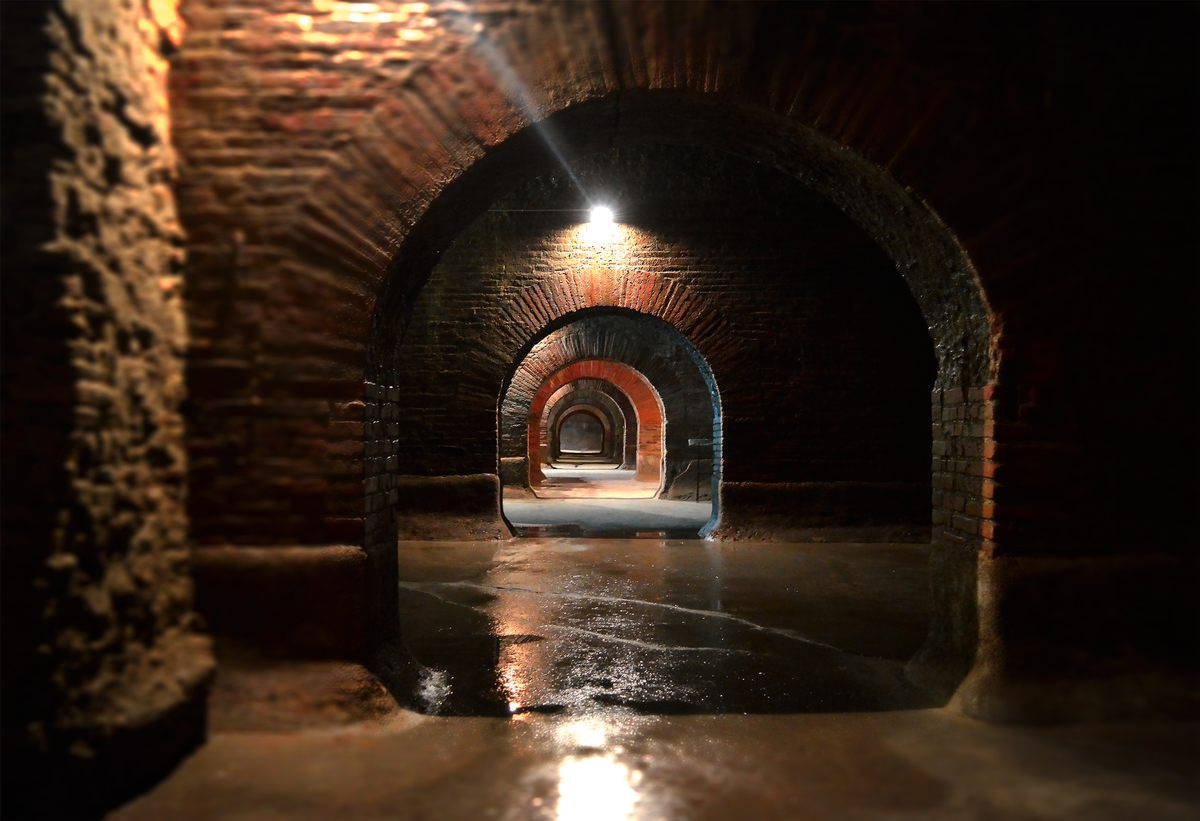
<point>295,602</point>
<point>824,511</point>
<point>1084,638</point>
<point>463,507</point>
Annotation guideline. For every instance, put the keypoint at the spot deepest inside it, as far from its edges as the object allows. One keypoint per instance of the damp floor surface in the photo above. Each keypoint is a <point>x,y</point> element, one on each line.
<point>925,764</point>
<point>593,482</point>
<point>663,626</point>
<point>606,517</point>
<point>654,679</point>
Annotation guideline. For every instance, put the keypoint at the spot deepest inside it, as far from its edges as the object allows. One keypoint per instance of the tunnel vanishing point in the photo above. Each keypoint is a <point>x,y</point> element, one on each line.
<point>298,293</point>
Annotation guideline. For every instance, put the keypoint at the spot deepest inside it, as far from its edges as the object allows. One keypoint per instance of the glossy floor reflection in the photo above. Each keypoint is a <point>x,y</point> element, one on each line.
<point>606,635</point>
<point>923,764</point>
<point>584,627</point>
<point>607,518</point>
<point>564,481</point>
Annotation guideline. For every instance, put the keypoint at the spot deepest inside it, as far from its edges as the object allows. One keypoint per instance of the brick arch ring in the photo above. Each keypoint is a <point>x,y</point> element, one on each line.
<point>608,428</point>
<point>646,403</point>
<point>567,401</point>
<point>616,404</point>
<point>369,233</point>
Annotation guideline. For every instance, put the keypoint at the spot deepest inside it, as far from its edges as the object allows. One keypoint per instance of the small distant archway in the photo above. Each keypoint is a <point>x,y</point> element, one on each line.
<point>648,469</point>
<point>658,382</point>
<point>582,431</point>
<point>614,403</point>
<point>926,254</point>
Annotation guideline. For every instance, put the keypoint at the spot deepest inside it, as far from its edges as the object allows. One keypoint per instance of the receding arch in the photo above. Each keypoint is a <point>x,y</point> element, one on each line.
<point>929,258</point>
<point>573,396</point>
<point>579,425</point>
<point>684,381</point>
<point>609,395</point>
<point>646,400</point>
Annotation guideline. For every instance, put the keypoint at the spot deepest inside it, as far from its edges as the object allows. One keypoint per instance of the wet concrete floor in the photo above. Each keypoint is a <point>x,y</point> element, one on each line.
<point>577,648</point>
<point>592,482</point>
<point>920,765</point>
<point>656,626</point>
<point>607,518</point>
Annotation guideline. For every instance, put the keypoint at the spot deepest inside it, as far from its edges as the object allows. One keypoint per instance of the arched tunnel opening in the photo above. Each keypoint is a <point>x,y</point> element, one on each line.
<point>584,432</point>
<point>660,483</point>
<point>598,409</point>
<point>744,363</point>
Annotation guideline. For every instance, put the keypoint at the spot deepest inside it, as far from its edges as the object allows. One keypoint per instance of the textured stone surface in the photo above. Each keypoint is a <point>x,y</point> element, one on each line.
<point>256,694</point>
<point>1063,638</point>
<point>104,675</point>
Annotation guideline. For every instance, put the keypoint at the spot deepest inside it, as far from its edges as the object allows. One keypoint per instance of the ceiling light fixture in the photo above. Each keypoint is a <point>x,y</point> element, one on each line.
<point>601,215</point>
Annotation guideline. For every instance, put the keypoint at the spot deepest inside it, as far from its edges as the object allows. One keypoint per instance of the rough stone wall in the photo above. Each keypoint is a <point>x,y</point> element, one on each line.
<point>104,675</point>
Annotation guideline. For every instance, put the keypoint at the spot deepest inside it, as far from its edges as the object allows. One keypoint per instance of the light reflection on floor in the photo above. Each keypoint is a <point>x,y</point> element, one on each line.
<point>576,650</point>
<point>596,787</point>
<point>581,627</point>
<point>606,518</point>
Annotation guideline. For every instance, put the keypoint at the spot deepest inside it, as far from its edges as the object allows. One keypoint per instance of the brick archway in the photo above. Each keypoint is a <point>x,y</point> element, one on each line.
<point>645,399</point>
<point>826,94</point>
<point>929,258</point>
<point>371,258</point>
<point>611,402</point>
<point>597,417</point>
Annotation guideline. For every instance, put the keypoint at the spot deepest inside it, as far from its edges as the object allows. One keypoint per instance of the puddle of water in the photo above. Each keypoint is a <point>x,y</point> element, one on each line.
<point>433,688</point>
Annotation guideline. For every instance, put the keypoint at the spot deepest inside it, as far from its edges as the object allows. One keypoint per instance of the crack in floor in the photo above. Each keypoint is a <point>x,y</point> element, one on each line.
<point>646,645</point>
<point>714,614</point>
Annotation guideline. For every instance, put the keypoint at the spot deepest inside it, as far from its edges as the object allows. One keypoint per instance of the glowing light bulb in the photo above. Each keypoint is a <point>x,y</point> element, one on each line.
<point>602,215</point>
